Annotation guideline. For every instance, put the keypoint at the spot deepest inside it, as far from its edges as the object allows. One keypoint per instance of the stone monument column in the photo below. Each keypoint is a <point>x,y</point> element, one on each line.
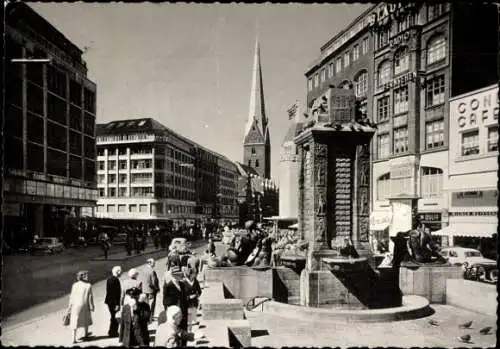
<point>333,188</point>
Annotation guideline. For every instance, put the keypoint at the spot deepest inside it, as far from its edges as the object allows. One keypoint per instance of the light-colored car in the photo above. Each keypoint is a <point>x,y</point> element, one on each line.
<point>181,245</point>
<point>462,255</point>
<point>47,245</point>
<point>227,237</point>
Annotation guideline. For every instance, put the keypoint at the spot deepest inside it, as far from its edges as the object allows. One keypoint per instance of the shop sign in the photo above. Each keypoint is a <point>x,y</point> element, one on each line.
<point>401,80</point>
<point>399,40</point>
<point>430,217</point>
<point>380,220</point>
<point>14,172</point>
<point>480,108</point>
<point>474,198</point>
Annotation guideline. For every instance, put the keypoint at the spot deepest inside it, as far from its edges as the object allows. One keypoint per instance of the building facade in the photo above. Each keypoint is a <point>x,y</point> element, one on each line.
<point>289,167</point>
<point>472,186</point>
<point>148,172</point>
<point>422,57</point>
<point>257,142</point>
<point>50,112</point>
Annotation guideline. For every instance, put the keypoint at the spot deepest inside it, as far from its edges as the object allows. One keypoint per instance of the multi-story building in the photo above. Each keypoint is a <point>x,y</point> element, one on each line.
<point>417,57</point>
<point>146,171</point>
<point>50,112</point>
<point>472,186</point>
<point>289,167</point>
<point>424,55</point>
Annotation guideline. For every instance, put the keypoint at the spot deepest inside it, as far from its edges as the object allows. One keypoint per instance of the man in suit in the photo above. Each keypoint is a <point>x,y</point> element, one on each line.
<point>150,285</point>
<point>113,297</point>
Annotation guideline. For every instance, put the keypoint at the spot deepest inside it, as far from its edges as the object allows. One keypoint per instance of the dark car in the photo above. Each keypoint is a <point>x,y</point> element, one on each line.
<point>47,245</point>
<point>486,272</point>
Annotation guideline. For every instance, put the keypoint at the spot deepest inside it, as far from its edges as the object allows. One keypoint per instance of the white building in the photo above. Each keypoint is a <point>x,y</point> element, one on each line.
<point>472,187</point>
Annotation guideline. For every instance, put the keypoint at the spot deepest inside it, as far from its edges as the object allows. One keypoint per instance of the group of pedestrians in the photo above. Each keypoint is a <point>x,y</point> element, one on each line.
<point>135,299</point>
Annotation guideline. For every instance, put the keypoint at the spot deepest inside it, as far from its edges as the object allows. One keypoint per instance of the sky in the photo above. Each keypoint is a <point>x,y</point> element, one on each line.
<point>189,66</point>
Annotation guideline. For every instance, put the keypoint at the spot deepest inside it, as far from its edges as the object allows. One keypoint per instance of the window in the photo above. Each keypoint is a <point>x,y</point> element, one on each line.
<point>122,208</point>
<point>401,100</point>
<point>382,38</point>
<point>383,146</point>
<point>401,61</point>
<point>323,75</point>
<point>435,90</point>
<point>112,192</point>
<point>143,208</point>
<point>253,150</point>
<point>345,85</point>
<point>492,138</point>
<point>102,192</point>
<point>133,207</point>
<point>434,11</point>
<point>309,84</point>
<point>122,192</point>
<point>384,73</point>
<point>365,46</point>
<point>338,65</point>
<point>111,208</point>
<point>431,182</point>
<point>355,53</point>
<point>434,134</point>
<point>100,165</point>
<point>257,163</point>
<point>112,165</point>
<point>383,108</point>
<point>123,178</point>
<point>401,140</point>
<point>406,23</point>
<point>361,84</point>
<point>436,50</point>
<point>384,187</point>
<point>316,80</point>
<point>346,59</point>
<point>331,69</point>
<point>122,164</point>
<point>112,178</point>
<point>470,143</point>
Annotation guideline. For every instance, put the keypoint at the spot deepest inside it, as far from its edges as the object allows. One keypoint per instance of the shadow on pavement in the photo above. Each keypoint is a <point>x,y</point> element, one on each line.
<point>259,333</point>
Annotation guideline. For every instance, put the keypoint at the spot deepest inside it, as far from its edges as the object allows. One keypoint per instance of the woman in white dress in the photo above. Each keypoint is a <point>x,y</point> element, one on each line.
<point>81,304</point>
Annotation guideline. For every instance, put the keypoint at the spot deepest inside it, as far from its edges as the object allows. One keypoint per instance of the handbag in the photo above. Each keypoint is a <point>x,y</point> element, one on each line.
<point>66,318</point>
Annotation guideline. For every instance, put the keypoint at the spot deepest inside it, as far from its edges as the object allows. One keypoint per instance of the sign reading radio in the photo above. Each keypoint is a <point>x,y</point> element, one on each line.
<point>480,108</point>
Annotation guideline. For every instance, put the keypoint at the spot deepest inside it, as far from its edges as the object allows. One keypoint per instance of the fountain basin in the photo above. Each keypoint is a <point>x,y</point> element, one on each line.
<point>413,307</point>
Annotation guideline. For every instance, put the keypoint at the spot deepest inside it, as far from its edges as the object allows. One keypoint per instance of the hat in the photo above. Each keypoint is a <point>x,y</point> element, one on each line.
<point>176,271</point>
<point>134,292</point>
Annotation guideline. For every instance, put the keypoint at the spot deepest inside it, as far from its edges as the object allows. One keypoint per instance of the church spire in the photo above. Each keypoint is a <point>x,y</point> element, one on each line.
<point>257,110</point>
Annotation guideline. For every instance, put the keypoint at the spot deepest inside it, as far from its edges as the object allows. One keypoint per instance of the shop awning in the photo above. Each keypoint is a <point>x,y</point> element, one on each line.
<point>468,229</point>
<point>380,220</point>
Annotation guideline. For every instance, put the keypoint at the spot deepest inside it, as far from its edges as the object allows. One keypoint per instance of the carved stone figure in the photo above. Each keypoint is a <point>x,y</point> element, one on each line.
<point>320,150</point>
<point>321,208</point>
<point>320,174</point>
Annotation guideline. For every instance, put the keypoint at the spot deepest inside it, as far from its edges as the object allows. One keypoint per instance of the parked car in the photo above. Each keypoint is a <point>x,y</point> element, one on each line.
<point>181,245</point>
<point>486,272</point>
<point>119,239</point>
<point>47,245</point>
<point>475,266</point>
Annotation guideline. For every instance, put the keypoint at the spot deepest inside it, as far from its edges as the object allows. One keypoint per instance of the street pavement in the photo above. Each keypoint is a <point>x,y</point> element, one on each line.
<point>42,325</point>
<point>28,281</point>
<point>268,330</point>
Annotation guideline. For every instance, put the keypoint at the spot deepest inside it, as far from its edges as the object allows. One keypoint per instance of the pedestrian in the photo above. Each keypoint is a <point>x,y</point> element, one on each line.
<point>193,292</point>
<point>112,300</point>
<point>129,243</point>
<point>130,283</point>
<point>81,304</point>
<point>169,333</point>
<point>130,320</point>
<point>174,293</point>
<point>211,246</point>
<point>142,316</point>
<point>105,245</point>
<point>150,285</point>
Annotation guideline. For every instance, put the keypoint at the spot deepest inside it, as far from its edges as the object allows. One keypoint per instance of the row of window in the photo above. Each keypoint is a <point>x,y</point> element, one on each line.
<point>470,141</point>
<point>431,184</point>
<point>344,61</point>
<point>143,208</point>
